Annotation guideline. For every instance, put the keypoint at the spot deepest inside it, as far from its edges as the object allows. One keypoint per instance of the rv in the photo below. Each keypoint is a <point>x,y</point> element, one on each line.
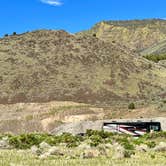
<point>132,128</point>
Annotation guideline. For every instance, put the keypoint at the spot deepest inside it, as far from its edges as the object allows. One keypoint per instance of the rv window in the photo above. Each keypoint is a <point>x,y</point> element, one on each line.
<point>154,128</point>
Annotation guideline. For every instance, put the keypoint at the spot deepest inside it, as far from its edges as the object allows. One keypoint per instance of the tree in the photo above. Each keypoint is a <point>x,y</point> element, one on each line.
<point>6,35</point>
<point>14,33</point>
<point>94,35</point>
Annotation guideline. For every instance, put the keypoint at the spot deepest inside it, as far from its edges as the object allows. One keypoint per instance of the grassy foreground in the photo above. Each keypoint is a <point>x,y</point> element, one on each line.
<point>96,148</point>
<point>25,158</point>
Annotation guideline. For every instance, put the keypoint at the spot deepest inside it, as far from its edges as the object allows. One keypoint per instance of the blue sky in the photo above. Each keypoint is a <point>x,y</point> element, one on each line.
<point>72,15</point>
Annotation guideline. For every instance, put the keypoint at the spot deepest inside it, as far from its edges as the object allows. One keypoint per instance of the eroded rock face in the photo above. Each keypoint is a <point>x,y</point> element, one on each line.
<point>136,34</point>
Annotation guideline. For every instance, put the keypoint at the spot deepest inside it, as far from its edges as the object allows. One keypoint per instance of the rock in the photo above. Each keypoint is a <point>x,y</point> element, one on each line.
<point>35,150</point>
<point>84,146</point>
<point>44,146</point>
<point>161,147</point>
<point>108,145</point>
<point>142,148</point>
<point>55,151</point>
<point>4,143</point>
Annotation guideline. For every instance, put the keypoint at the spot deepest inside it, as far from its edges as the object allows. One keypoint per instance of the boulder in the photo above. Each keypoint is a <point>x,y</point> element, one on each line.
<point>55,151</point>
<point>161,147</point>
<point>44,146</point>
<point>4,143</point>
<point>142,148</point>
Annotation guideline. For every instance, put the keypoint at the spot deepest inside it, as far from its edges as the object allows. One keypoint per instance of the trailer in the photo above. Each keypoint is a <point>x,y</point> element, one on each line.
<point>132,128</point>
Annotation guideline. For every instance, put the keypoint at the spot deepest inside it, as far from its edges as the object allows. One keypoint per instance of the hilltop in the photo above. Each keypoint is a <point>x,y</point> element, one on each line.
<point>50,65</point>
<point>135,34</point>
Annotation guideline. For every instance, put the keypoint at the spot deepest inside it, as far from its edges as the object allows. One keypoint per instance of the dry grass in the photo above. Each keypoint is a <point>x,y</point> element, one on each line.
<point>23,158</point>
<point>45,65</point>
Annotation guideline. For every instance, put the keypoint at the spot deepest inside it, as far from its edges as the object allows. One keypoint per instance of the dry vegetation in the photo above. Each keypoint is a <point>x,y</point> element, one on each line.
<point>135,34</point>
<point>47,65</point>
<point>96,148</point>
<point>14,158</point>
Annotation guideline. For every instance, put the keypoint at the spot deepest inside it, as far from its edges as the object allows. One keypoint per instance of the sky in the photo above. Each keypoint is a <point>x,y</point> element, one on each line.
<point>72,15</point>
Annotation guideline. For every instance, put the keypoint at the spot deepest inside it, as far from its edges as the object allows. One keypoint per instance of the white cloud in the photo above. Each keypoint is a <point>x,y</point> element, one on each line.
<point>52,2</point>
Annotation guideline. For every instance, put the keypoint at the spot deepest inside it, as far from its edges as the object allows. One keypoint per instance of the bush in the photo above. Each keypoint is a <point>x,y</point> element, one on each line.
<point>25,141</point>
<point>101,133</point>
<point>156,58</point>
<point>70,140</point>
<point>131,106</point>
<point>6,35</point>
<point>154,135</point>
<point>95,140</point>
<point>125,143</point>
<point>151,144</point>
<point>128,153</point>
<point>14,33</point>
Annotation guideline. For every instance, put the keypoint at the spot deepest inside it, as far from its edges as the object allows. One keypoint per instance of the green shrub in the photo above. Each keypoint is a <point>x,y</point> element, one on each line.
<point>25,141</point>
<point>70,140</point>
<point>131,106</point>
<point>14,33</point>
<point>151,144</point>
<point>6,35</point>
<point>156,58</point>
<point>95,140</point>
<point>103,134</point>
<point>128,153</point>
<point>138,141</point>
<point>164,101</point>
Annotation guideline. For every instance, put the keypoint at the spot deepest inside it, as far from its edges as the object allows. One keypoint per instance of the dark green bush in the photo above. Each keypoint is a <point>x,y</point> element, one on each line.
<point>156,58</point>
<point>151,144</point>
<point>6,35</point>
<point>125,143</point>
<point>128,153</point>
<point>103,134</point>
<point>71,140</point>
<point>138,141</point>
<point>164,101</point>
<point>14,33</point>
<point>154,135</point>
<point>95,140</point>
<point>25,141</point>
<point>131,106</point>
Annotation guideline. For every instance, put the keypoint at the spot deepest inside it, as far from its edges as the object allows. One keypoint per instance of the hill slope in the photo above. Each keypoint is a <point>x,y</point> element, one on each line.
<point>136,34</point>
<point>54,65</point>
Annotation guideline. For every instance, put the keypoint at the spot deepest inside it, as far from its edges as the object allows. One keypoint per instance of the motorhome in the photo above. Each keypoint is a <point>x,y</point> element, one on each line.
<point>132,128</point>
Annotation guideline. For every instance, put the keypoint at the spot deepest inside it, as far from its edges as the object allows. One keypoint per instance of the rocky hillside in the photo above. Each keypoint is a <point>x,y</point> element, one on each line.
<point>53,65</point>
<point>136,34</point>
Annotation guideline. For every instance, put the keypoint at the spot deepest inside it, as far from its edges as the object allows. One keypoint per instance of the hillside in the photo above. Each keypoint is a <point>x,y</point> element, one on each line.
<point>48,65</point>
<point>135,34</point>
